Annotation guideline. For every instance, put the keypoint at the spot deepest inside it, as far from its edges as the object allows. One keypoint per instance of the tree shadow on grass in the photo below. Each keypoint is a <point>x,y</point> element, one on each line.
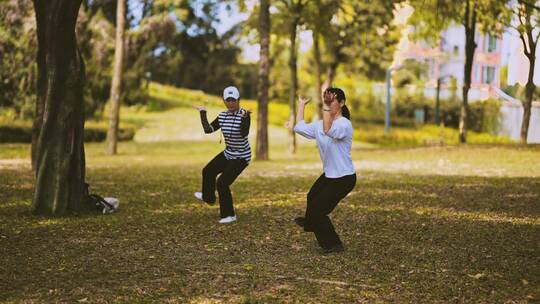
<point>408,239</point>
<point>504,197</point>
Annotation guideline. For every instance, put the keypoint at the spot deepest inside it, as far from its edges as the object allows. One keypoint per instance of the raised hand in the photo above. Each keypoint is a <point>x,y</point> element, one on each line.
<point>302,101</point>
<point>289,124</point>
<point>200,108</point>
<point>329,97</point>
<point>246,113</point>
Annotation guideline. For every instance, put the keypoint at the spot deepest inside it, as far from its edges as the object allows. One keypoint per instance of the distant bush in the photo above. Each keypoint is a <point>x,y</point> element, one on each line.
<point>367,107</point>
<point>21,132</point>
<point>484,116</point>
<point>421,135</point>
<point>15,133</point>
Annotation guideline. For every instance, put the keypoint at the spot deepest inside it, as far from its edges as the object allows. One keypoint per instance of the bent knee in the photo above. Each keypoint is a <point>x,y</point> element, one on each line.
<point>222,183</point>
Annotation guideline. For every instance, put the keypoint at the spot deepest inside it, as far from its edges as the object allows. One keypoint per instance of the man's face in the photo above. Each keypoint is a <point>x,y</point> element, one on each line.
<point>231,104</point>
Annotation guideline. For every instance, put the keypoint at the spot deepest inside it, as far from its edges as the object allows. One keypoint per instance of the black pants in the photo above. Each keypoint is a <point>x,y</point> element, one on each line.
<point>322,198</point>
<point>229,170</point>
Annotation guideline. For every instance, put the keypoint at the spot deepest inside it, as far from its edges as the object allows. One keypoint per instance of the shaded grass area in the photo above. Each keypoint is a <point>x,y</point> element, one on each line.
<point>418,232</point>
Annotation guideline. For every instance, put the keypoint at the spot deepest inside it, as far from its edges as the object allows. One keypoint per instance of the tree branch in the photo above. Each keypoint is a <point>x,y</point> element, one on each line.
<point>285,2</point>
<point>467,15</point>
<point>527,52</point>
<point>520,16</point>
<point>529,4</point>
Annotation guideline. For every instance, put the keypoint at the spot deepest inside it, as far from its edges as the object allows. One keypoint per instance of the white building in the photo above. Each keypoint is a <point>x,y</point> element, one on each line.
<point>491,55</point>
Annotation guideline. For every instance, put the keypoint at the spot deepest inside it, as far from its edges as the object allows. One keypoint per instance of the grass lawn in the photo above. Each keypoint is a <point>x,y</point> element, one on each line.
<point>423,225</point>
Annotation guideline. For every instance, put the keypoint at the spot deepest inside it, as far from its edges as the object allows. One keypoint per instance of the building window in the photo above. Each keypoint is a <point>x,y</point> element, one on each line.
<point>476,77</point>
<point>488,74</point>
<point>490,45</point>
<point>456,50</point>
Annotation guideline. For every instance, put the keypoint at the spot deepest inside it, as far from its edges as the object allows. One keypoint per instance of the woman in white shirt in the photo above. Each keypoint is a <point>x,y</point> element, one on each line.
<point>334,140</point>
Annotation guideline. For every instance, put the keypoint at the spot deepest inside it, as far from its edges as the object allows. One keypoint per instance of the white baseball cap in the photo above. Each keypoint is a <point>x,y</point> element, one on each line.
<point>231,92</point>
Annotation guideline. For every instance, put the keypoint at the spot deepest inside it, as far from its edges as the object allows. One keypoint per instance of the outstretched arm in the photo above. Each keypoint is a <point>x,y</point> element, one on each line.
<point>302,102</point>
<point>208,127</point>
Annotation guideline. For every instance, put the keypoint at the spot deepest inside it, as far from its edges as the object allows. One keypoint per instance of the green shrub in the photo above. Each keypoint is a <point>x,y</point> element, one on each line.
<point>367,107</point>
<point>15,134</point>
<point>21,132</point>
<point>421,135</point>
<point>485,116</point>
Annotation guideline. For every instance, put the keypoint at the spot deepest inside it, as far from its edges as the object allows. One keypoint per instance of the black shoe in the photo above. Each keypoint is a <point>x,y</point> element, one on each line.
<point>331,249</point>
<point>300,221</point>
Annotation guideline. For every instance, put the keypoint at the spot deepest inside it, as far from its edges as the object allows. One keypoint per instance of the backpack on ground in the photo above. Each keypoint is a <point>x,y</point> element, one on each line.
<point>102,204</point>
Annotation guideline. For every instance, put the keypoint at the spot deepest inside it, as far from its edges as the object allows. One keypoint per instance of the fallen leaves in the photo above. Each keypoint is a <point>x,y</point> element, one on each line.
<point>409,236</point>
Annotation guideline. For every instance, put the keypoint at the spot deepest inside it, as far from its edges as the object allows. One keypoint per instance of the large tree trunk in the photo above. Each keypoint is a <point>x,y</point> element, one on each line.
<point>294,82</point>
<point>470,46</point>
<point>59,147</point>
<point>262,112</point>
<point>112,133</point>
<point>318,68</point>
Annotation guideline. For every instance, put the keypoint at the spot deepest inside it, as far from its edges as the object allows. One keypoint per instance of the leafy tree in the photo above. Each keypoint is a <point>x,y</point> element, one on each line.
<point>291,14</point>
<point>318,16</point>
<point>95,34</point>
<point>356,35</point>
<point>361,36</point>
<point>526,23</point>
<point>17,56</point>
<point>431,17</point>
<point>411,72</point>
<point>197,57</point>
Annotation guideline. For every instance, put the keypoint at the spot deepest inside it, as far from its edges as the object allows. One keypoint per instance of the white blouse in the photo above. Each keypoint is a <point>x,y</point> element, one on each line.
<point>334,147</point>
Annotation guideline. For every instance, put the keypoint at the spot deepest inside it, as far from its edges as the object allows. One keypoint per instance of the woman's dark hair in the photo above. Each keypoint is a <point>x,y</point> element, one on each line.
<point>340,95</point>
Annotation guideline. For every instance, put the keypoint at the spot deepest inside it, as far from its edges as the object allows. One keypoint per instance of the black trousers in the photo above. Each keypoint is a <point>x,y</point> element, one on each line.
<point>229,170</point>
<point>322,198</point>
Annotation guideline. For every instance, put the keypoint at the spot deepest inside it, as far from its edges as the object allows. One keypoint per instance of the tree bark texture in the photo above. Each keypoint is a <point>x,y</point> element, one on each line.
<point>264,70</point>
<point>116,86</point>
<point>58,149</point>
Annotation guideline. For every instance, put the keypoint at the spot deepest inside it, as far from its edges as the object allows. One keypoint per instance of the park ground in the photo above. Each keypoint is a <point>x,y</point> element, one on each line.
<point>423,225</point>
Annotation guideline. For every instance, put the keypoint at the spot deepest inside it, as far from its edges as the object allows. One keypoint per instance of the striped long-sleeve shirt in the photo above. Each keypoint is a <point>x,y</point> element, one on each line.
<point>235,129</point>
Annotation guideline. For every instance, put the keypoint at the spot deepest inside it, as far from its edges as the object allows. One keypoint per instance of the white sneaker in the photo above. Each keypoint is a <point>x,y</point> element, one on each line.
<point>198,195</point>
<point>227,220</point>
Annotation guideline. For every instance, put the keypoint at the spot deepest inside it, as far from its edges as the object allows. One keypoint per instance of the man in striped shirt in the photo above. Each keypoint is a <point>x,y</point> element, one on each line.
<point>234,124</point>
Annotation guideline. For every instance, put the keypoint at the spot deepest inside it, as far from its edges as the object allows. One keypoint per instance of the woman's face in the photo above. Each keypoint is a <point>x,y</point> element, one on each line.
<point>335,107</point>
<point>232,104</point>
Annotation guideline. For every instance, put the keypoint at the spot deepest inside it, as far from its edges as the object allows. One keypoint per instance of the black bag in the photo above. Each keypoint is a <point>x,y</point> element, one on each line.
<point>98,201</point>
